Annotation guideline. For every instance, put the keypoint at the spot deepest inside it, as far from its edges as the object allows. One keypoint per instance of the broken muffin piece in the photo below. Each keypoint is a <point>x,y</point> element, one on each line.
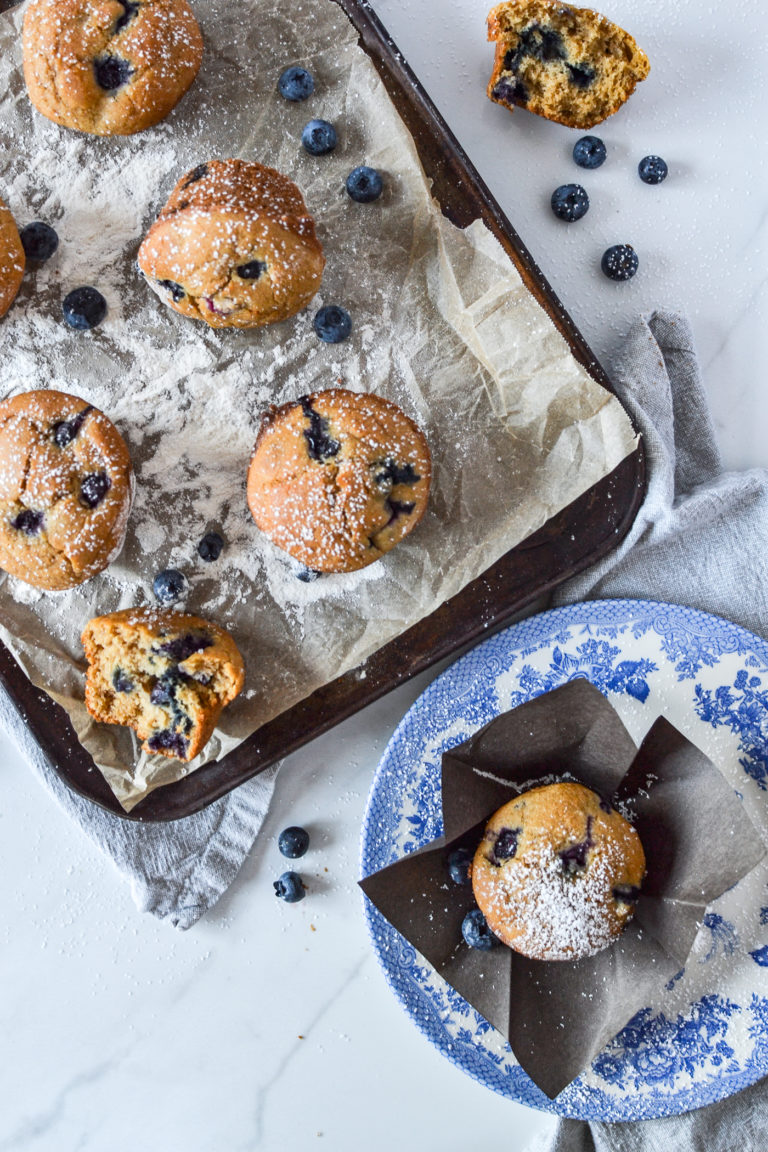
<point>167,675</point>
<point>571,65</point>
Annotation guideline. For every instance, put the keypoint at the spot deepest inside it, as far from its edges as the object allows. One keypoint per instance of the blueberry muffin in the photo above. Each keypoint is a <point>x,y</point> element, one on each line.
<point>568,64</point>
<point>11,259</point>
<point>109,67</point>
<point>337,478</point>
<point>165,674</point>
<point>234,246</point>
<point>66,486</point>
<point>557,872</point>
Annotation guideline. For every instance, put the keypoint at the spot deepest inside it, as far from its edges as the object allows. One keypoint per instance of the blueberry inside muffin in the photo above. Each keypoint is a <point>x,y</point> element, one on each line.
<point>167,675</point>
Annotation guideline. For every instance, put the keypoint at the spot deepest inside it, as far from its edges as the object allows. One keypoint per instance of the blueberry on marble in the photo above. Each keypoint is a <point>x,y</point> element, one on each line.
<point>210,547</point>
<point>168,741</point>
<point>289,887</point>
<point>296,84</point>
<point>589,152</point>
<point>39,241</point>
<point>84,308</point>
<point>121,682</point>
<point>619,262</point>
<point>332,324</point>
<point>65,431</point>
<point>252,270</point>
<point>176,290</point>
<point>112,72</point>
<point>626,893</point>
<point>570,202</point>
<point>652,169</point>
<point>365,184</point>
<point>169,585</point>
<point>293,842</point>
<point>130,9</point>
<point>458,866</point>
<point>28,521</point>
<point>319,137</point>
<point>476,933</point>
<point>320,443</point>
<point>93,488</point>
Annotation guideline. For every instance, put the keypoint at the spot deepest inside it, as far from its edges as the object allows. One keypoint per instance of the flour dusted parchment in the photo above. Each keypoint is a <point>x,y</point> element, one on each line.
<point>442,325</point>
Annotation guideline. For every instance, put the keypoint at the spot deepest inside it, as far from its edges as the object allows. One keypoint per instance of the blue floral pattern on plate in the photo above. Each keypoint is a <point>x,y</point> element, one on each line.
<point>707,1035</point>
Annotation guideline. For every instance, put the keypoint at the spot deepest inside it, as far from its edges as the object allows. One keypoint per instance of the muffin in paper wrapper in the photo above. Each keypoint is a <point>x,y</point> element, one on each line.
<point>558,1015</point>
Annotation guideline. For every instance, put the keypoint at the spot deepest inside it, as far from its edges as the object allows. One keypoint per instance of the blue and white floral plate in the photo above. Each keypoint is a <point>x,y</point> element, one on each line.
<point>706,1036</point>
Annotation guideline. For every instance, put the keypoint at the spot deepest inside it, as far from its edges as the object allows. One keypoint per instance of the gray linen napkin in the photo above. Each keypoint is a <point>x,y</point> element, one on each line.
<point>701,539</point>
<point>176,871</point>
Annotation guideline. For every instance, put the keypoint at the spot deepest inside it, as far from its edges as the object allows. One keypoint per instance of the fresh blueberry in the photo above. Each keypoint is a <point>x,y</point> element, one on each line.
<point>619,262</point>
<point>39,241</point>
<point>84,308</point>
<point>475,930</point>
<point>364,184</point>
<point>169,585</point>
<point>570,202</point>
<point>589,152</point>
<point>93,488</point>
<point>332,324</point>
<point>652,170</point>
<point>458,865</point>
<point>293,842</point>
<point>319,137</point>
<point>112,72</point>
<point>296,84</point>
<point>289,887</point>
<point>209,548</point>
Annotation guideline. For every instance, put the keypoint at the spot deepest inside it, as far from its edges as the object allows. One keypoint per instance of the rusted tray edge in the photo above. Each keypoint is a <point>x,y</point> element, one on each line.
<point>494,597</point>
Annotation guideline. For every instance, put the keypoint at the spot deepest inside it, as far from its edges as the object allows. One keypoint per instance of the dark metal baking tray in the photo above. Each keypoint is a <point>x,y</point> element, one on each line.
<point>569,542</point>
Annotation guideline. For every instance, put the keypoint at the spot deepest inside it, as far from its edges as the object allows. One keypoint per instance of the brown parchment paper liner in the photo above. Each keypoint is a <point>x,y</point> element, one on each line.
<point>698,842</point>
<point>443,325</point>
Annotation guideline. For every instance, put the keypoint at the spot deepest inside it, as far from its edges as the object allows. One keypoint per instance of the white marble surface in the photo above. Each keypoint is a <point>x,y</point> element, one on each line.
<point>119,1033</point>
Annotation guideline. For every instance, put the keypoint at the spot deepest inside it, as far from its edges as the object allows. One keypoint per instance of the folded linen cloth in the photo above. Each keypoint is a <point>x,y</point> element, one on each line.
<point>176,871</point>
<point>700,539</point>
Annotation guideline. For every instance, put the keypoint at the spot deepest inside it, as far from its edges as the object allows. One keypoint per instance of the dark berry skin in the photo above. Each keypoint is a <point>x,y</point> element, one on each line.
<point>296,84</point>
<point>319,137</point>
<point>93,489</point>
<point>112,72</point>
<point>589,152</point>
<point>84,308</point>
<point>28,521</point>
<point>39,241</point>
<point>210,547</point>
<point>289,887</point>
<point>293,842</point>
<point>476,933</point>
<point>652,170</point>
<point>365,184</point>
<point>169,585</point>
<point>619,262</point>
<point>570,202</point>
<point>332,324</point>
<point>458,866</point>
